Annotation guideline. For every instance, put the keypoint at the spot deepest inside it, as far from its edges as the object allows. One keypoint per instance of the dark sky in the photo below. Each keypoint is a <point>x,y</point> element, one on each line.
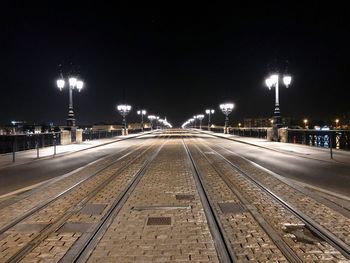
<point>173,60</point>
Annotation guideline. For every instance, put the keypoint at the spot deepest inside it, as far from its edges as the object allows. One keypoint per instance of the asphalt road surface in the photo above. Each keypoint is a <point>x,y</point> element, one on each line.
<point>328,175</point>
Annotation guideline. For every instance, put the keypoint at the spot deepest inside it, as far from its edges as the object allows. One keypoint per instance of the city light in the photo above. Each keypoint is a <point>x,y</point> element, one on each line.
<point>60,83</point>
<point>200,117</point>
<point>141,112</point>
<point>209,112</point>
<point>151,118</point>
<point>273,80</point>
<point>73,83</point>
<point>124,110</point>
<point>226,109</point>
<point>79,85</point>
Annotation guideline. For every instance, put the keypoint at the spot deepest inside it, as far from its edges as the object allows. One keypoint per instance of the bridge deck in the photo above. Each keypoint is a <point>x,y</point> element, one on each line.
<point>178,196</point>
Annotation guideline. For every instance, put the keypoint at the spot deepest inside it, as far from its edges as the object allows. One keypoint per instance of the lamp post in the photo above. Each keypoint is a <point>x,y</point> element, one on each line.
<point>124,110</point>
<point>226,109</point>
<point>273,80</point>
<point>141,112</point>
<point>151,118</point>
<point>73,83</point>
<point>195,122</point>
<point>209,112</point>
<point>191,120</point>
<point>200,117</point>
<point>157,121</point>
<point>305,123</point>
<point>336,123</point>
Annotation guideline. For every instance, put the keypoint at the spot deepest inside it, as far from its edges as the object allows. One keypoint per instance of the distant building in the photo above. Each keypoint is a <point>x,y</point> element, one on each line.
<point>106,127</point>
<point>263,122</point>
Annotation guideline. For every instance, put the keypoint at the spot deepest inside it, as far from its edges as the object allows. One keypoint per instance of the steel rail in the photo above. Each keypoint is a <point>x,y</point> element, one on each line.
<point>62,219</point>
<point>221,242</point>
<point>312,225</point>
<point>290,255</point>
<point>81,250</point>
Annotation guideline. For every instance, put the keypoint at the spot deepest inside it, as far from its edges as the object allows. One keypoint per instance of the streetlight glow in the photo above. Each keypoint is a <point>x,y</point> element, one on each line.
<point>268,83</point>
<point>60,83</point>
<point>141,112</point>
<point>124,110</point>
<point>273,80</point>
<point>209,112</point>
<point>200,117</point>
<point>72,82</point>
<point>287,80</point>
<point>226,109</point>
<point>80,85</point>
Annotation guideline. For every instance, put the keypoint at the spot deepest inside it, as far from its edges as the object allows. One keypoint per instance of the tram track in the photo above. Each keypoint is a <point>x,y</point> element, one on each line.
<point>46,202</point>
<point>315,194</point>
<point>223,248</point>
<point>54,222</point>
<point>317,229</point>
<point>81,250</point>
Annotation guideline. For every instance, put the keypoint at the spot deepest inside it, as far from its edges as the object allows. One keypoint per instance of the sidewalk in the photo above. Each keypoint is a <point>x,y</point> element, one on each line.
<point>28,156</point>
<point>317,153</point>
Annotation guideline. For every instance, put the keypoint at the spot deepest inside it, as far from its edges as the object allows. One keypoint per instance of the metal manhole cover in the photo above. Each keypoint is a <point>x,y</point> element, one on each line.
<point>93,209</point>
<point>159,221</point>
<point>184,197</point>
<point>234,208</point>
<point>72,227</point>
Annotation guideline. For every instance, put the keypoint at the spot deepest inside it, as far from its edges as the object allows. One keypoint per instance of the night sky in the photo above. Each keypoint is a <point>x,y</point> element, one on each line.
<point>173,60</point>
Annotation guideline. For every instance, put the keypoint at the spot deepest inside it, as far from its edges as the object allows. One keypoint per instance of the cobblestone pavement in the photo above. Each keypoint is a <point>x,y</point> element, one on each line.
<point>307,246</point>
<point>162,218</point>
<point>32,227</point>
<point>325,216</point>
<point>141,232</point>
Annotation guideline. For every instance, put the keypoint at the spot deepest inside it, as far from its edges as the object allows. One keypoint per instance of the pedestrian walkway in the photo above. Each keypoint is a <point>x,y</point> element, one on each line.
<point>318,153</point>
<point>28,156</point>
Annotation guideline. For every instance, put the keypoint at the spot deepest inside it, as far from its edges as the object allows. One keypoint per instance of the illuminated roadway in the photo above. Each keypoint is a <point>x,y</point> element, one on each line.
<point>323,173</point>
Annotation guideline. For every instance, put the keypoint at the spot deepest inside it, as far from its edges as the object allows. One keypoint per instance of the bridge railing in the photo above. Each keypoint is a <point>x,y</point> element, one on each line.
<point>338,139</point>
<point>21,142</point>
<point>89,135</point>
<point>244,132</point>
<point>249,132</point>
<point>103,134</point>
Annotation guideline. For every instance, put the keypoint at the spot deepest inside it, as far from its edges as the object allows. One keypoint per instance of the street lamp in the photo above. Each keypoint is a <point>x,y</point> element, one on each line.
<point>200,117</point>
<point>209,112</point>
<point>141,112</point>
<point>273,80</point>
<point>157,121</point>
<point>336,123</point>
<point>124,110</point>
<point>195,122</point>
<point>73,83</point>
<point>151,118</point>
<point>305,123</point>
<point>226,109</point>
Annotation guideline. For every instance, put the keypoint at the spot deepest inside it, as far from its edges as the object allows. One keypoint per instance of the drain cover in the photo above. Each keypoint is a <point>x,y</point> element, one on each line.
<point>72,227</point>
<point>184,197</point>
<point>159,221</point>
<point>93,209</point>
<point>32,228</point>
<point>234,208</point>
